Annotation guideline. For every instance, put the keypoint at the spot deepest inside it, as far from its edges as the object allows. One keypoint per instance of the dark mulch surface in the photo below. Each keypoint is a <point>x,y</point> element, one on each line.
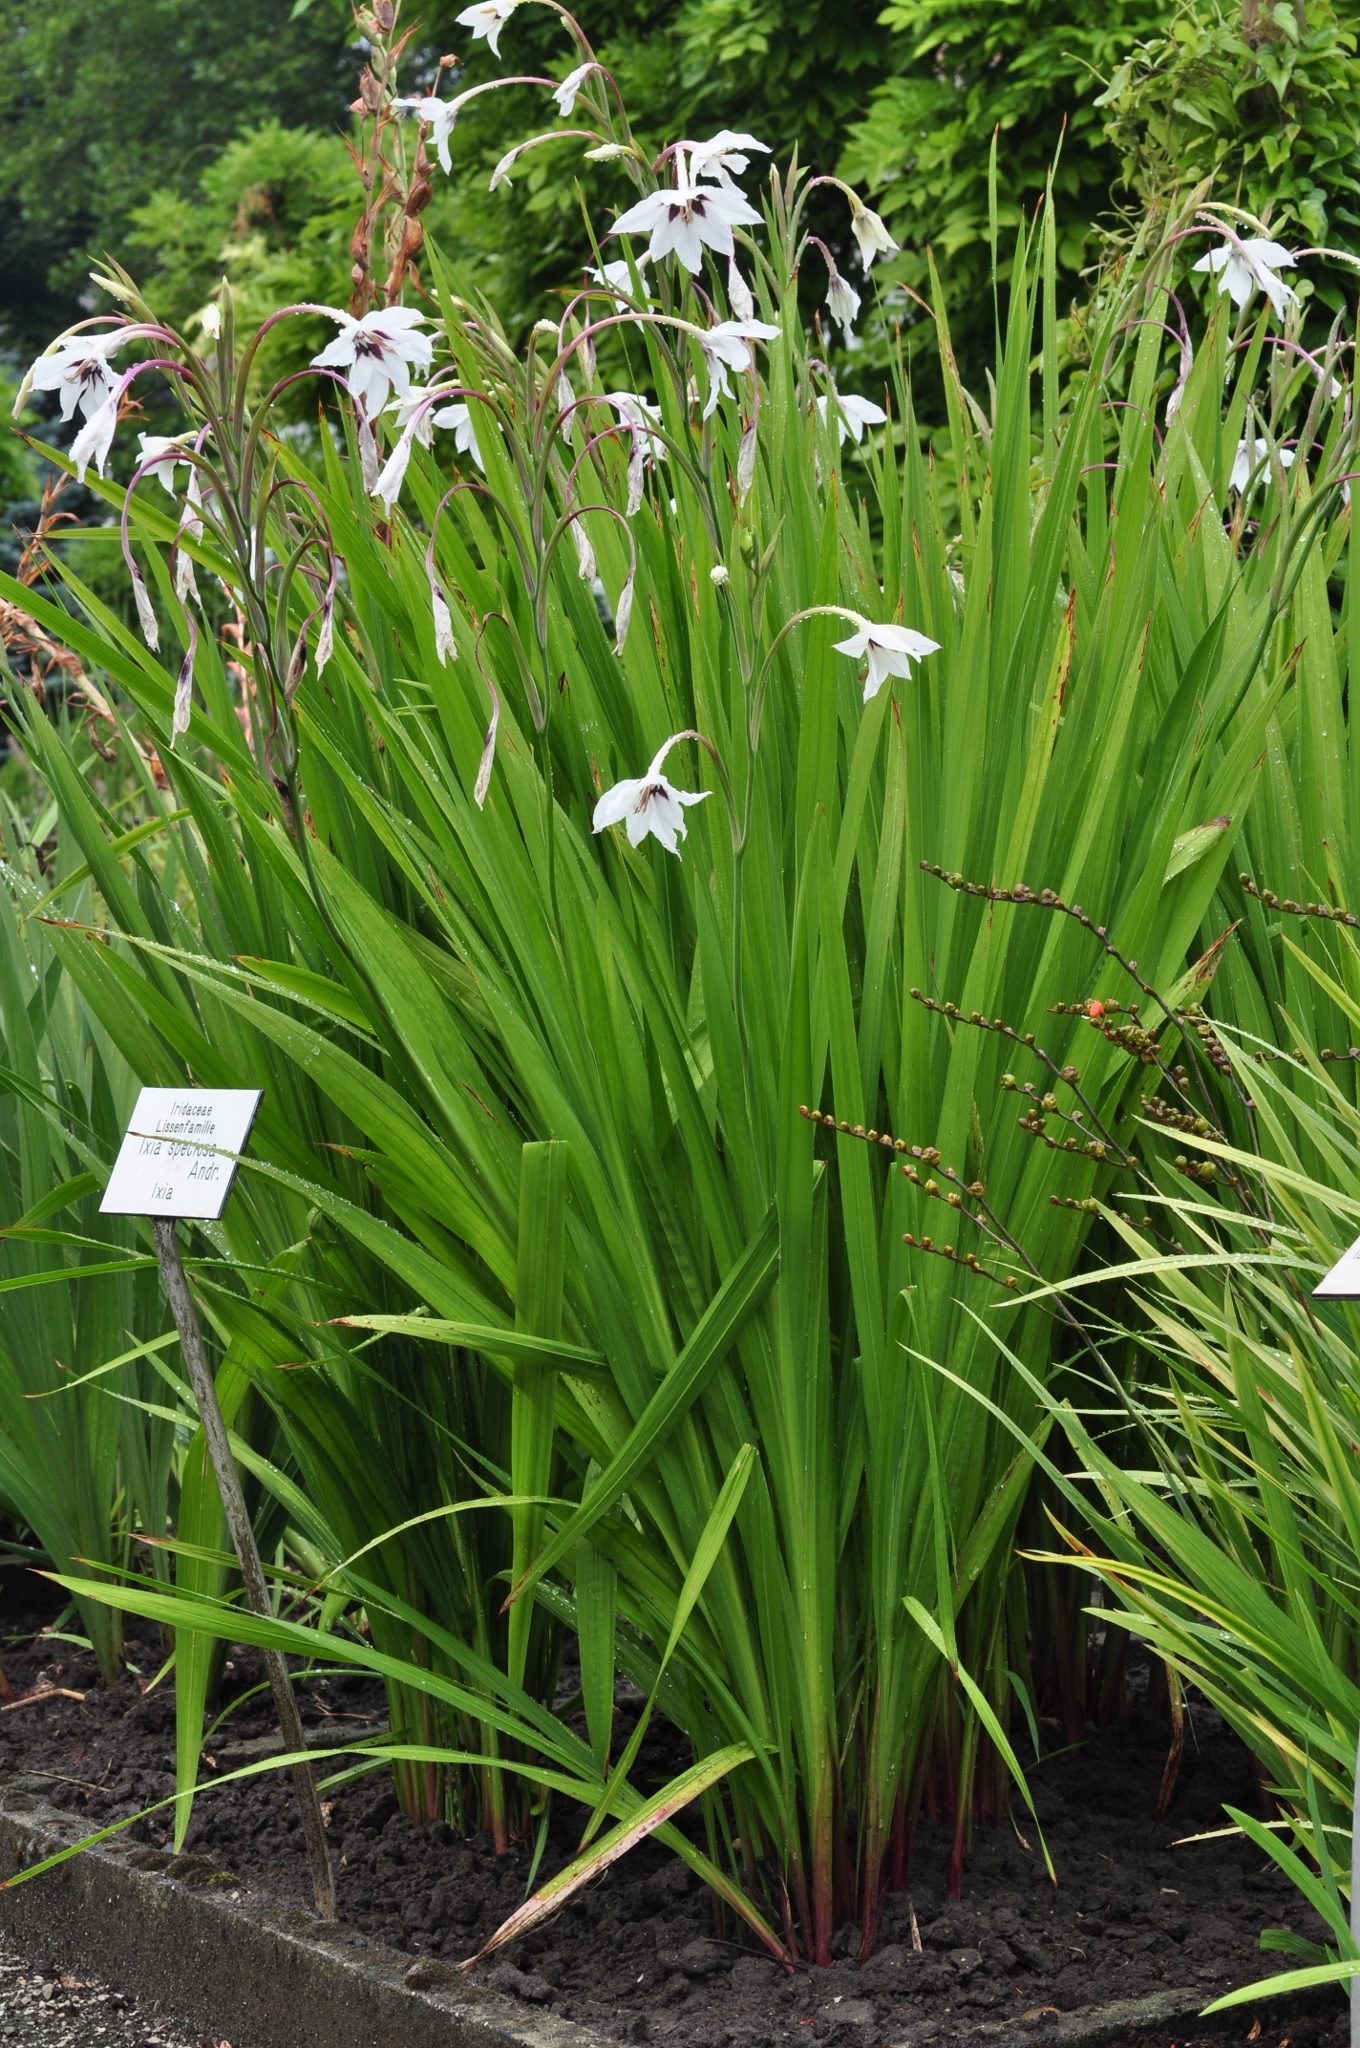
<point>640,1954</point>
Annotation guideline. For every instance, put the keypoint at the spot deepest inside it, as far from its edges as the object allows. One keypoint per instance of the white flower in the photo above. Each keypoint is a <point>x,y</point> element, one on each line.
<point>1250,461</point>
<point>79,370</point>
<point>487,18</point>
<point>379,352</point>
<point>890,649</point>
<point>649,804</point>
<point>155,448</point>
<point>853,415</point>
<point>1240,267</point>
<point>565,93</point>
<point>618,277</point>
<point>869,231</point>
<point>688,216</point>
<point>210,321</point>
<point>842,301</point>
<point>725,349</point>
<point>441,115</point>
<point>403,409</point>
<point>501,175</point>
<point>719,574</point>
<point>723,153</point>
<point>458,419</point>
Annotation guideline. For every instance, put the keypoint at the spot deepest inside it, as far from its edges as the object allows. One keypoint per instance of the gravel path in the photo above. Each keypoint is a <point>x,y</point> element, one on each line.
<point>42,2006</point>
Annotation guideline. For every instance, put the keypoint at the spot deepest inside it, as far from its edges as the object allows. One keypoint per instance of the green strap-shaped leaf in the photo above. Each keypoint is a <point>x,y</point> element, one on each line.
<point>538,1311</point>
<point>739,1296</point>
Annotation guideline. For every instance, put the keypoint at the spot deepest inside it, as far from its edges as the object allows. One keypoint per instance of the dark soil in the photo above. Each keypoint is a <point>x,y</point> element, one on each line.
<point>641,1955</point>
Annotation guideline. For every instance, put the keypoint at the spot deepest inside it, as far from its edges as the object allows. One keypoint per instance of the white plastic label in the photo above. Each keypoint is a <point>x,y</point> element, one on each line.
<point>1343,1282</point>
<point>177,1158</point>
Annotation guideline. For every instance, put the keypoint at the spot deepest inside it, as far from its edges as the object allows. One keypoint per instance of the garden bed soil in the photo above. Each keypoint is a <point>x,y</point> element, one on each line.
<point>639,1955</point>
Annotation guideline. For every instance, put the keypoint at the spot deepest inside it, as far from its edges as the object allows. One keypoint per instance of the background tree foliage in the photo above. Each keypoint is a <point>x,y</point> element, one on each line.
<point>206,141</point>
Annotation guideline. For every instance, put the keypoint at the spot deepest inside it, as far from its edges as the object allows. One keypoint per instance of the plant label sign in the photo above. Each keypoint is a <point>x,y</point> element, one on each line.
<point>1343,1282</point>
<point>177,1158</point>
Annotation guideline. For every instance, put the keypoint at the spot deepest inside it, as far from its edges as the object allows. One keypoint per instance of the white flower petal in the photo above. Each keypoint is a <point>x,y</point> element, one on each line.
<point>614,806</point>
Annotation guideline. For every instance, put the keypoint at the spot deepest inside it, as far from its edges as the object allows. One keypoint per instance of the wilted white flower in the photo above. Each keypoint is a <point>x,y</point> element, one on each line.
<point>585,553</point>
<point>649,804</point>
<point>93,442</point>
<point>443,626</point>
<point>623,611</point>
<point>565,93</point>
<point>458,419</point>
<point>868,230</point>
<point>637,473</point>
<point>441,115</point>
<point>487,18</point>
<point>325,639</point>
<point>1241,267</point>
<point>842,301</point>
<point>157,447</point>
<point>890,650</point>
<point>392,475</point>
<point>642,416</point>
<point>853,415</point>
<point>739,292</point>
<point>722,154</point>
<point>746,463</point>
<point>379,352</point>
<point>1251,460</point>
<point>368,450</point>
<point>184,687</point>
<point>725,348</point>
<point>79,369</point>
<point>687,217</point>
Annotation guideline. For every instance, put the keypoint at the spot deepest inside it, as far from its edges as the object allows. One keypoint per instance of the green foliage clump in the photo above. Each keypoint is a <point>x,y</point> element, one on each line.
<point>104,102</point>
<point>967,70</point>
<point>1260,99</point>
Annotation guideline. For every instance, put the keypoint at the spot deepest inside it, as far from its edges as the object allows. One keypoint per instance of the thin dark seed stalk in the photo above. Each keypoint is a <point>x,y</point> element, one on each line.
<point>1047,900</point>
<point>243,1541</point>
<point>1098,1127</point>
<point>996,1229</point>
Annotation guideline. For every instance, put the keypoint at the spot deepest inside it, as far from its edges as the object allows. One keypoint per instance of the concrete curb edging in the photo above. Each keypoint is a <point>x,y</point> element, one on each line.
<point>265,1976</point>
<point>1089,2026</point>
<point>271,1976</point>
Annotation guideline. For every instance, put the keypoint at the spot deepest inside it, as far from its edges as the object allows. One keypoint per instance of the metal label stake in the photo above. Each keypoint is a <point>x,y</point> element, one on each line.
<point>178,1159</point>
